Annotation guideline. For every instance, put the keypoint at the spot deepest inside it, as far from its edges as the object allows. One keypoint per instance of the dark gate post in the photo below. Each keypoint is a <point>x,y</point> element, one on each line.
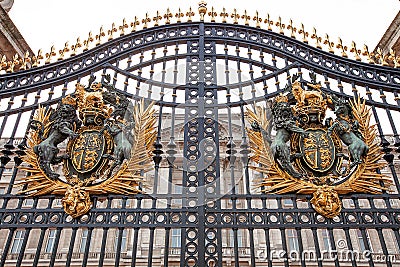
<point>201,152</point>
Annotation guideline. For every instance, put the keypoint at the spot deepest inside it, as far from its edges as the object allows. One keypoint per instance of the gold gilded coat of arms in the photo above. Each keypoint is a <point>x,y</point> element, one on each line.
<point>109,146</point>
<point>313,154</point>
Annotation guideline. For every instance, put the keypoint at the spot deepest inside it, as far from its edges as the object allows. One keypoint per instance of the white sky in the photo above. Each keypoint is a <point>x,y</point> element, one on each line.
<point>47,22</point>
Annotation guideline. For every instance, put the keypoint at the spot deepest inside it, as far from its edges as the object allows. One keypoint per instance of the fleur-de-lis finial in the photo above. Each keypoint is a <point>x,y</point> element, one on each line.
<point>100,35</point>
<point>382,57</point>
<point>167,16</point>
<point>317,38</point>
<point>235,16</point>
<point>3,62</point>
<point>292,29</point>
<point>36,59</point>
<point>395,58</point>
<point>212,14</point>
<point>157,18</point>
<point>123,27</point>
<point>190,14</point>
<point>224,15</point>
<point>258,20</point>
<point>134,24</point>
<point>13,63</point>
<point>269,22</point>
<point>111,31</point>
<point>342,47</point>
<point>246,18</point>
<point>63,51</point>
<point>51,54</point>
<point>87,42</point>
<point>303,32</point>
<point>76,46</point>
<point>370,56</point>
<point>356,52</point>
<point>145,21</point>
<point>179,15</point>
<point>25,61</point>
<point>329,44</point>
<point>280,25</point>
<point>202,9</point>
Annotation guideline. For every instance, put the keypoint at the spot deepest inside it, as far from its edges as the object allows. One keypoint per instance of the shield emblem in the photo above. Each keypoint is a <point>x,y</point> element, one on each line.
<point>318,150</point>
<point>87,151</point>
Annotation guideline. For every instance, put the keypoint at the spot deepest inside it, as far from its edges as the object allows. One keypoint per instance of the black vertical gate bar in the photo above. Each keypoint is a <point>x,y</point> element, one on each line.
<point>284,246</point>
<point>87,246</point>
<point>316,246</point>
<point>193,133</point>
<point>120,231</point>
<point>22,250</point>
<point>383,246</point>
<point>333,246</point>
<point>367,246</point>
<point>104,239</point>
<point>212,177</point>
<point>135,245</point>
<point>71,246</point>
<point>350,246</point>
<point>39,247</point>
<point>231,157</point>
<point>55,247</point>
<point>103,246</point>
<point>7,246</point>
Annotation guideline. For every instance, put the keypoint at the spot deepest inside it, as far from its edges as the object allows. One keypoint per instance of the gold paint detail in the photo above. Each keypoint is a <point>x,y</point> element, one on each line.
<point>326,202</point>
<point>75,191</point>
<point>76,201</point>
<point>364,178</point>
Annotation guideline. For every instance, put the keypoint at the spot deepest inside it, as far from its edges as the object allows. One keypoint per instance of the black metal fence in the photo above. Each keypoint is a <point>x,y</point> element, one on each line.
<point>202,76</point>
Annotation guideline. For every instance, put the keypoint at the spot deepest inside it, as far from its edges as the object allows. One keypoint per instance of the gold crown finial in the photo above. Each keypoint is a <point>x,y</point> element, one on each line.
<point>202,9</point>
<point>69,100</point>
<point>281,98</point>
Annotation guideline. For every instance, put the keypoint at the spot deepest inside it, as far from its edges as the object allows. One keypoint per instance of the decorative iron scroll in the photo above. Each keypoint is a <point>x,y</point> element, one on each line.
<point>315,162</point>
<point>109,147</point>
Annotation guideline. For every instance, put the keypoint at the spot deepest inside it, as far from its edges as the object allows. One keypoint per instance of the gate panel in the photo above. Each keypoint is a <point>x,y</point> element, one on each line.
<point>201,204</point>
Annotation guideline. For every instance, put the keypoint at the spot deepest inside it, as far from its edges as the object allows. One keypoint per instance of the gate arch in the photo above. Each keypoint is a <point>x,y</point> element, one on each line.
<point>212,215</point>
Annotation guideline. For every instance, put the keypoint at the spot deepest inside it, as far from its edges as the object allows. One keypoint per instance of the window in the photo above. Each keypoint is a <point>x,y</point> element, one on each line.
<point>28,203</point>
<point>83,240</point>
<point>57,202</point>
<point>50,241</point>
<point>177,189</point>
<point>18,239</point>
<point>361,241</point>
<point>287,202</point>
<point>325,240</point>
<point>239,238</point>
<point>123,241</point>
<point>292,240</point>
<point>176,238</point>
<point>8,170</point>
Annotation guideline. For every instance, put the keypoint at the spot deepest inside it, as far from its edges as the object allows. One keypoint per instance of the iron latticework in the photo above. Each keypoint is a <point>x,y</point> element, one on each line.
<point>201,207</point>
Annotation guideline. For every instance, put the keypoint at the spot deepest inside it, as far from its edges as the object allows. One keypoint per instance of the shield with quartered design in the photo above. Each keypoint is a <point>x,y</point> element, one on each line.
<point>318,150</point>
<point>87,151</point>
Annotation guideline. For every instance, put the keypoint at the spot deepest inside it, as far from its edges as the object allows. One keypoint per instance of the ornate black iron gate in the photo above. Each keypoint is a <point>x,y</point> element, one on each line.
<point>200,207</point>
